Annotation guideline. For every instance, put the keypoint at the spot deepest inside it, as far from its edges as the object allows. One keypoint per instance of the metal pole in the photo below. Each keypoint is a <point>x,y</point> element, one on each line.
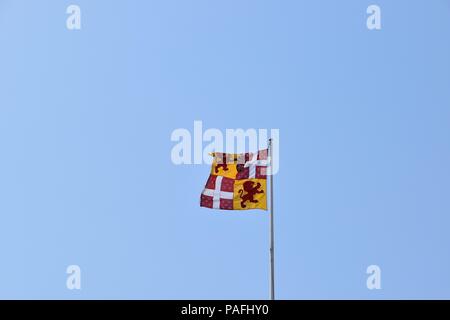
<point>272,246</point>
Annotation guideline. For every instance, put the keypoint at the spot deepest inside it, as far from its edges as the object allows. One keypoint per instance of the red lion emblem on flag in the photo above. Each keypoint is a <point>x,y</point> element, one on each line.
<point>251,190</point>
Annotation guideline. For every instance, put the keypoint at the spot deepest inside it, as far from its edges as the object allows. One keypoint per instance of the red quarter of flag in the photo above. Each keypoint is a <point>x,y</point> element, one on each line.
<point>218,193</point>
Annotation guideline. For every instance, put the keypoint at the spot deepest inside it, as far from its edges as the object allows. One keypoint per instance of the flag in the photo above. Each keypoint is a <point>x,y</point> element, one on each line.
<point>237,182</point>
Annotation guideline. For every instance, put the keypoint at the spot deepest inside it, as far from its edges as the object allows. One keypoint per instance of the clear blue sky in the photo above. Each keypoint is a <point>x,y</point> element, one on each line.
<point>85,170</point>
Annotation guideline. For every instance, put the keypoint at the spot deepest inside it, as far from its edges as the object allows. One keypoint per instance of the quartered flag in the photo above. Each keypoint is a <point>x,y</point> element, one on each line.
<point>237,182</point>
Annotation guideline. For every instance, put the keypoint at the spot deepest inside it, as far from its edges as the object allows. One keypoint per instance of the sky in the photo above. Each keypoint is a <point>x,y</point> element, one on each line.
<point>86,176</point>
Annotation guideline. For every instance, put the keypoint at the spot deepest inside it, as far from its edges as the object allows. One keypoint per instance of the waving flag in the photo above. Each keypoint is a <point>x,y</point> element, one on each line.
<point>237,182</point>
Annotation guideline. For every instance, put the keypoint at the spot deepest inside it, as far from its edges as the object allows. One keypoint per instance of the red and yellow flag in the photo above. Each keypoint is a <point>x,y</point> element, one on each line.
<point>237,182</point>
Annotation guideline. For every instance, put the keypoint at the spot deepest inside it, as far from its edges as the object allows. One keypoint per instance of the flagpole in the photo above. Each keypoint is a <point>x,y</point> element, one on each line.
<point>272,246</point>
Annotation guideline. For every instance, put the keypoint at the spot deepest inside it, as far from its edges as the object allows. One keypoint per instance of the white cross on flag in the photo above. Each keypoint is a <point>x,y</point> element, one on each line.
<point>255,166</point>
<point>218,193</point>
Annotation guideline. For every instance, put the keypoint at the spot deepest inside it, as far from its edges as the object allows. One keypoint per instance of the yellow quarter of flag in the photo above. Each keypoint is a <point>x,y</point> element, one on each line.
<point>224,165</point>
<point>250,194</point>
<point>229,170</point>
